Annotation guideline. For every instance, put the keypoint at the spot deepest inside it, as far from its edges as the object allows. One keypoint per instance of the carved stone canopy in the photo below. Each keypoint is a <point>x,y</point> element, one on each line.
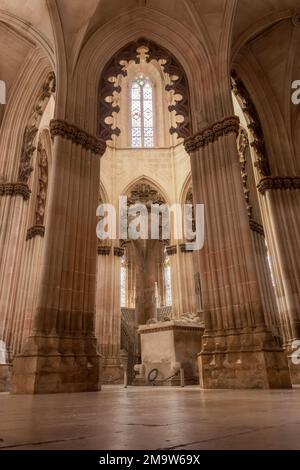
<point>247,105</point>
<point>144,193</point>
<point>116,68</point>
<point>31,130</point>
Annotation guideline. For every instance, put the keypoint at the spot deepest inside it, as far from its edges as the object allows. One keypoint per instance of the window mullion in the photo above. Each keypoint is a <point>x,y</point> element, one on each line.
<point>142,117</point>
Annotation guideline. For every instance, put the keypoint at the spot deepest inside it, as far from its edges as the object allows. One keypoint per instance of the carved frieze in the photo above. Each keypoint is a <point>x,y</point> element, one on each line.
<point>104,250</point>
<point>35,231</point>
<point>171,250</point>
<point>60,127</point>
<point>212,133</point>
<point>118,251</point>
<point>279,183</point>
<point>15,189</point>
<point>116,68</point>
<point>254,125</point>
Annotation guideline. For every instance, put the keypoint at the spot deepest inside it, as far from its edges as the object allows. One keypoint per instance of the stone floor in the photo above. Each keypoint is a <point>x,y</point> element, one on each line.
<point>152,418</point>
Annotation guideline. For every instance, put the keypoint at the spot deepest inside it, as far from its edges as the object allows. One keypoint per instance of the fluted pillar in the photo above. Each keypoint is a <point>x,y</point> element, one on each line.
<point>271,314</point>
<point>108,313</point>
<point>281,202</point>
<point>61,354</point>
<point>238,350</point>
<point>183,281</point>
<point>13,212</point>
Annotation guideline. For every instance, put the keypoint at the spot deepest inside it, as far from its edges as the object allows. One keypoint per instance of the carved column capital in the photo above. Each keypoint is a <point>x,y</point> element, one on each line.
<point>60,127</point>
<point>15,189</point>
<point>104,250</point>
<point>118,251</point>
<point>212,133</point>
<point>278,183</point>
<point>256,227</point>
<point>171,250</point>
<point>36,230</point>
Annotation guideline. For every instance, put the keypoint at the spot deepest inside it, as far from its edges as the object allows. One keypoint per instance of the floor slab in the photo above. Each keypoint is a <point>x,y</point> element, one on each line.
<point>152,418</point>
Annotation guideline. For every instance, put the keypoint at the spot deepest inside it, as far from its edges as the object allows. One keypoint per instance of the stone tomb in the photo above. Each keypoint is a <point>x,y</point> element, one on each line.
<point>169,346</point>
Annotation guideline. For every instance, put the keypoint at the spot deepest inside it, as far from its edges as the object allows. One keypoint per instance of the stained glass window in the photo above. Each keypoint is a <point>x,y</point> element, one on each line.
<point>142,133</point>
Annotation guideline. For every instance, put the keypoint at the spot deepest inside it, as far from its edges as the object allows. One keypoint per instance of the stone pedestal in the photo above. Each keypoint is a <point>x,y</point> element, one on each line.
<point>5,376</point>
<point>242,360</point>
<point>53,365</point>
<point>112,369</point>
<point>169,346</point>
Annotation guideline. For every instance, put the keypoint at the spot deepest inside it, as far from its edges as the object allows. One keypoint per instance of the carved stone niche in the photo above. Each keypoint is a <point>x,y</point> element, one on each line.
<point>31,130</point>
<point>38,229</point>
<point>116,68</point>
<point>254,126</point>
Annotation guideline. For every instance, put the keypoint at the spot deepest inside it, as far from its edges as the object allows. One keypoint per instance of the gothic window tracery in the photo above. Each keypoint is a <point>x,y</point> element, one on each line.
<point>142,130</point>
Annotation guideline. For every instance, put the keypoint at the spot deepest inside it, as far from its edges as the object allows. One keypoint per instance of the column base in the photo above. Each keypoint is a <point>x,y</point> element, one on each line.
<point>42,369</point>
<point>112,369</point>
<point>5,377</point>
<point>243,361</point>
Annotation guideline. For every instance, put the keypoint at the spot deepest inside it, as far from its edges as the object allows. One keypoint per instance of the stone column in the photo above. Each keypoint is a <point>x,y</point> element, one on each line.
<point>183,282</point>
<point>281,201</point>
<point>61,353</point>
<point>108,314</point>
<point>13,211</point>
<point>270,308</point>
<point>238,350</point>
<point>175,280</point>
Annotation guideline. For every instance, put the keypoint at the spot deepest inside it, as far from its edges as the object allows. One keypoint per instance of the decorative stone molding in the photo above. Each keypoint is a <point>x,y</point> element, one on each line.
<point>35,231</point>
<point>212,133</point>
<point>118,251</point>
<point>15,189</point>
<point>183,248</point>
<point>279,183</point>
<point>169,326</point>
<point>60,127</point>
<point>256,227</point>
<point>31,130</point>
<point>243,145</point>
<point>144,193</point>
<point>254,125</point>
<point>43,185</point>
<point>296,20</point>
<point>171,250</point>
<point>104,250</point>
<point>116,68</point>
